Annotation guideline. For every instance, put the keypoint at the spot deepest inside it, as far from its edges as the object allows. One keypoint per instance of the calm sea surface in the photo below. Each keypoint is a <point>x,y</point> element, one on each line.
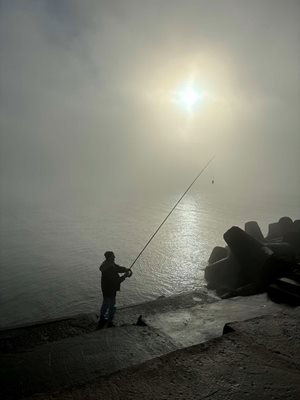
<point>50,256</point>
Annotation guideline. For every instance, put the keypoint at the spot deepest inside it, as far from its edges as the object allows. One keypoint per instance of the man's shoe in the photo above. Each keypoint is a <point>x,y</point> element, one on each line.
<point>101,324</point>
<point>111,325</point>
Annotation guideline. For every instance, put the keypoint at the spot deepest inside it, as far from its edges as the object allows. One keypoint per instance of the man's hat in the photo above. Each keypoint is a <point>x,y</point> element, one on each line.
<point>108,254</point>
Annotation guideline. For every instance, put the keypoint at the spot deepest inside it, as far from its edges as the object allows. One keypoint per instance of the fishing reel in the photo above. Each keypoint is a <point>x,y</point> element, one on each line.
<point>128,273</point>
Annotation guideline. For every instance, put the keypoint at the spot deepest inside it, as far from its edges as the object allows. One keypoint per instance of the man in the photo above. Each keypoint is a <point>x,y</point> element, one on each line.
<point>110,285</point>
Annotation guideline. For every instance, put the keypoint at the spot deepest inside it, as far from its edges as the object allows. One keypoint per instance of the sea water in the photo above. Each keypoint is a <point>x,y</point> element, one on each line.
<point>50,255</point>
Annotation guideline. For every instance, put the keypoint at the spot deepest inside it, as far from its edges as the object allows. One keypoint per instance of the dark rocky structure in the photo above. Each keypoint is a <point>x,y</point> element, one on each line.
<point>297,225</point>
<point>253,264</point>
<point>274,231</point>
<point>217,254</point>
<point>253,229</point>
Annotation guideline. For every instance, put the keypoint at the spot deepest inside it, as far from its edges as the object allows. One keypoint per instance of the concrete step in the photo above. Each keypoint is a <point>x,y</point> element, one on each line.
<point>27,337</point>
<point>171,325</point>
<point>68,362</point>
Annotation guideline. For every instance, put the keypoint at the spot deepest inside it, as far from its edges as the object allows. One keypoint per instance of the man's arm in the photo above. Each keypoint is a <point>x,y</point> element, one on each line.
<point>121,270</point>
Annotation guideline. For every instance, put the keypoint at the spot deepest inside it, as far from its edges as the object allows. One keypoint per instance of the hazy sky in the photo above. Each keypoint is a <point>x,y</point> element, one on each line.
<point>87,89</point>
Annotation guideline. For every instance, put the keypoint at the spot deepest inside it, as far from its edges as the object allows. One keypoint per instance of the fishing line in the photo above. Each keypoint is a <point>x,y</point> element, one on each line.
<point>176,204</point>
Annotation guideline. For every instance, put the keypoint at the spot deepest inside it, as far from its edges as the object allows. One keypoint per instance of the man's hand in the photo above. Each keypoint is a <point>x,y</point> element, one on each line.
<point>128,273</point>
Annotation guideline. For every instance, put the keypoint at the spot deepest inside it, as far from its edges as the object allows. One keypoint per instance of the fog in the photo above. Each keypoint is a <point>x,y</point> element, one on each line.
<point>86,105</point>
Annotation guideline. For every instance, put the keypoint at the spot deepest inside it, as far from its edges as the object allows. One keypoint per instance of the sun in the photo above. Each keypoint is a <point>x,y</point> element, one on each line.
<point>188,97</point>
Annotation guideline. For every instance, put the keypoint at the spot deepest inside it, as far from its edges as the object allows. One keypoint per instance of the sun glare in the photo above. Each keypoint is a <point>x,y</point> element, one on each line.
<point>188,98</point>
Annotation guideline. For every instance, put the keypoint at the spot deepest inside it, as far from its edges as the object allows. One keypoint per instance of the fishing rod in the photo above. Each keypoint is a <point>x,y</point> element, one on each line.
<point>176,204</point>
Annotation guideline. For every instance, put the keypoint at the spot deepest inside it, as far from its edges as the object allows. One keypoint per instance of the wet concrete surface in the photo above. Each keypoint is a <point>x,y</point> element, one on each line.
<point>203,322</point>
<point>173,324</point>
<point>259,359</point>
<point>25,337</point>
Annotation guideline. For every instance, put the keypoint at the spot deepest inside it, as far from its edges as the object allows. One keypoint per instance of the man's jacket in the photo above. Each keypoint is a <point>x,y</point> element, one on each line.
<point>110,279</point>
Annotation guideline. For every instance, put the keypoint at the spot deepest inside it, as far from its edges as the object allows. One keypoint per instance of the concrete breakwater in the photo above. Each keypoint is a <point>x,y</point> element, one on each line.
<point>60,354</point>
<point>252,263</point>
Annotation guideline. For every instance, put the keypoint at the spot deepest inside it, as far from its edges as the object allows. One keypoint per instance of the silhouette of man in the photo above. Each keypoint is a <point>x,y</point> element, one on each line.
<point>110,285</point>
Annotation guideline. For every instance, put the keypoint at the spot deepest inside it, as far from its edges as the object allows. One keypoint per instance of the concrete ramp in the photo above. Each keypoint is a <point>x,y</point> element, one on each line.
<point>77,360</point>
<point>200,323</point>
<point>36,366</point>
